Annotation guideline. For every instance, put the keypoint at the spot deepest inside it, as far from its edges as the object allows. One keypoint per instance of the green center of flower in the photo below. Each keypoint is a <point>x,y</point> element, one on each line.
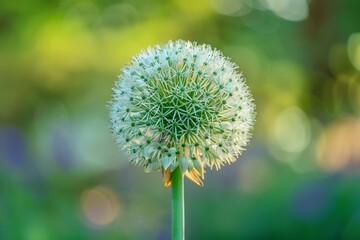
<point>184,107</point>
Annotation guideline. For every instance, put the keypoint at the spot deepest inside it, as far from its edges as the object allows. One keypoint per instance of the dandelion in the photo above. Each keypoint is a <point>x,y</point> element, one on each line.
<point>180,108</point>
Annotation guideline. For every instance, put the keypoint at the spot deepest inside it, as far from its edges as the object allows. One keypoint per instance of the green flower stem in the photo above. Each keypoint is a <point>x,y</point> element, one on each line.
<point>178,221</point>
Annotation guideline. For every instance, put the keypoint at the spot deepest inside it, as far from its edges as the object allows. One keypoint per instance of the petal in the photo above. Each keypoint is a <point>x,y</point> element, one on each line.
<point>148,150</point>
<point>166,177</point>
<point>152,167</point>
<point>167,161</point>
<point>199,167</point>
<point>184,164</point>
<point>193,176</point>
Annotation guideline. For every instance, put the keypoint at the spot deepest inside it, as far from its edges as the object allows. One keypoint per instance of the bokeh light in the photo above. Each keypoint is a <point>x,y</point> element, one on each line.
<point>100,206</point>
<point>292,130</point>
<point>231,7</point>
<point>338,148</point>
<point>353,48</point>
<point>293,10</point>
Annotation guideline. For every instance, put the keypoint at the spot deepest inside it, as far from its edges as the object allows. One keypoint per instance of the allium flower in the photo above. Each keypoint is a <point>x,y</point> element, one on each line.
<point>183,105</point>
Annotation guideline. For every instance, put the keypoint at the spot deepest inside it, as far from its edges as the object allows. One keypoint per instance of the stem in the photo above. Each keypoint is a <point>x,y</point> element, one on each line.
<point>178,222</point>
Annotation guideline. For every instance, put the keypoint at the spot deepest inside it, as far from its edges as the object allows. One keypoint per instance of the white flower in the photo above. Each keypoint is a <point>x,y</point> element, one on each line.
<point>183,105</point>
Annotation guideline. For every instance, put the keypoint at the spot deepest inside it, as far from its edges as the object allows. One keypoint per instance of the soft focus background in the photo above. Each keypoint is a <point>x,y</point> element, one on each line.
<point>62,177</point>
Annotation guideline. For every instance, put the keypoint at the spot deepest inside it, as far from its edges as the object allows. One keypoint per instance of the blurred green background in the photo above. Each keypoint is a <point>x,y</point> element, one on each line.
<point>62,177</point>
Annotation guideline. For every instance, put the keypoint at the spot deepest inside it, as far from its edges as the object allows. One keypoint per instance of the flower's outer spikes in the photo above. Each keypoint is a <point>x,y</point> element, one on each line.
<point>181,105</point>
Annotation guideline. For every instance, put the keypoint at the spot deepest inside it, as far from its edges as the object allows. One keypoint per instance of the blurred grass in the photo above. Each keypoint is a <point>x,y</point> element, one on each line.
<point>62,177</point>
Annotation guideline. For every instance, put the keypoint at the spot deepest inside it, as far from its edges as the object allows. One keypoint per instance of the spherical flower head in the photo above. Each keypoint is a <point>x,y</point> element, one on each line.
<point>181,105</point>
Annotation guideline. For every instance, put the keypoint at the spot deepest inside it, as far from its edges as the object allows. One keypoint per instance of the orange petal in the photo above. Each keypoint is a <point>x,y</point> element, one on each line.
<point>166,177</point>
<point>194,176</point>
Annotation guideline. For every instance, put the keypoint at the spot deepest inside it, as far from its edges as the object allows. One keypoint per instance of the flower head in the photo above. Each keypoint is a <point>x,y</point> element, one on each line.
<point>181,105</point>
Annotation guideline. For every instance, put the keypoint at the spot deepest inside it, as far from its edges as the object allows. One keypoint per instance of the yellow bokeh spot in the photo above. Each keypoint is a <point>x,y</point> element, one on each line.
<point>353,48</point>
<point>198,8</point>
<point>284,83</point>
<point>60,50</point>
